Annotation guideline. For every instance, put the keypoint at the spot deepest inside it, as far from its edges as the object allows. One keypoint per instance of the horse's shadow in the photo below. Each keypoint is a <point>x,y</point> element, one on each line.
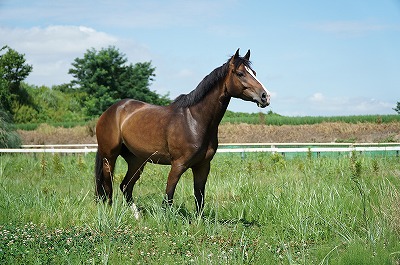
<point>245,222</point>
<point>183,213</point>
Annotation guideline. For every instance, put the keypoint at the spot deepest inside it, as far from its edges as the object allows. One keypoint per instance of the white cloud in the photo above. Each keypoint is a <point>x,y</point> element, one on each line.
<point>352,28</point>
<point>317,97</point>
<point>320,104</point>
<point>51,50</point>
<point>325,105</point>
<point>56,39</point>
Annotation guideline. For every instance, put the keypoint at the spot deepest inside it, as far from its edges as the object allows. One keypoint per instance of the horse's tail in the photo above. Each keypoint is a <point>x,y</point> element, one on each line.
<point>99,178</point>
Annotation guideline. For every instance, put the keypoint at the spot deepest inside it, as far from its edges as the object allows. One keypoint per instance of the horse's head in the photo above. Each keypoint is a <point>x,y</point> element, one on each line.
<point>243,83</point>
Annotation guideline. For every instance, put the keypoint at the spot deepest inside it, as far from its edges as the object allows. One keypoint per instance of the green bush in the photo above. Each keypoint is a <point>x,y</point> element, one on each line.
<point>8,137</point>
<point>25,113</point>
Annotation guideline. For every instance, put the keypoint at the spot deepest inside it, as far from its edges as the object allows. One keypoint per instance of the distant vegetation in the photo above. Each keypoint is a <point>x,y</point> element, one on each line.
<point>100,78</point>
<point>272,118</point>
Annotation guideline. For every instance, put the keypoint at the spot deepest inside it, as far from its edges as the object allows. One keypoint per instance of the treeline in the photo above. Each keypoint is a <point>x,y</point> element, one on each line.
<point>100,78</point>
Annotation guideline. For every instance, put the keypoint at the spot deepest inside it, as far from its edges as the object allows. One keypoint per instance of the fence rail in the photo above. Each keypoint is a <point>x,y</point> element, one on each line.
<point>282,148</point>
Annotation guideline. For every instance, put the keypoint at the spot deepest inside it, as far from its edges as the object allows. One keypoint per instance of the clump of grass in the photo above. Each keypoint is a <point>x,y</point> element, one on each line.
<point>389,139</point>
<point>356,177</point>
<point>57,164</point>
<point>278,161</point>
<point>43,164</point>
<point>348,140</point>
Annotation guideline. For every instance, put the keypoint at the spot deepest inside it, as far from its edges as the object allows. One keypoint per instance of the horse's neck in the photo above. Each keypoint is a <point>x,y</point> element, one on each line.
<point>211,109</point>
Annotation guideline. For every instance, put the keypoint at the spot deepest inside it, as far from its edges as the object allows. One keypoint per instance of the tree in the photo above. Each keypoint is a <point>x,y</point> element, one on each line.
<point>106,77</point>
<point>13,70</point>
<point>397,109</point>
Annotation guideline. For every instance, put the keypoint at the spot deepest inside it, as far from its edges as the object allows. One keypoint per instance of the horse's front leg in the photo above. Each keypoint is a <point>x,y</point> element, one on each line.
<point>173,177</point>
<point>200,174</point>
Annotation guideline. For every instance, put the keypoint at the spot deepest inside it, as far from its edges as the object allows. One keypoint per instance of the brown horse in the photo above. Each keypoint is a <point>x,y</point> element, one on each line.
<point>183,134</point>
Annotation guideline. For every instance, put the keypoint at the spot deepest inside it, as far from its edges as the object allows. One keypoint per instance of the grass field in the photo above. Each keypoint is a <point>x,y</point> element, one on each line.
<point>263,209</point>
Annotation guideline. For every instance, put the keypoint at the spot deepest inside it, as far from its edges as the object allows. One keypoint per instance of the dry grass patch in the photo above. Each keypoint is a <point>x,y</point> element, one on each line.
<point>323,132</point>
<point>242,133</point>
<point>46,134</point>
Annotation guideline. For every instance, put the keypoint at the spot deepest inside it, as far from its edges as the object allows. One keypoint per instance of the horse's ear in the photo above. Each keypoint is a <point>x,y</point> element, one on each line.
<point>237,53</point>
<point>234,56</point>
<point>247,56</point>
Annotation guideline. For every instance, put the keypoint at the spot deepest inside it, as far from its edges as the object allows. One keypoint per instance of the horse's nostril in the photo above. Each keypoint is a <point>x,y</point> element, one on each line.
<point>264,96</point>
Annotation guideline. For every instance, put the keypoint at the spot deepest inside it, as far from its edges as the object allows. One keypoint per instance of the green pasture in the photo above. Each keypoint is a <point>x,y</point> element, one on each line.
<point>263,209</point>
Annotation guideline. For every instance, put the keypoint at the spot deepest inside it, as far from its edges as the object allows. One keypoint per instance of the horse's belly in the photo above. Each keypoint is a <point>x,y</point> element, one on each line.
<point>155,157</point>
<point>150,152</point>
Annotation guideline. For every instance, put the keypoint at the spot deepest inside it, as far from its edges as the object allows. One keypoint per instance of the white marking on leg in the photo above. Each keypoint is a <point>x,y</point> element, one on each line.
<point>135,211</point>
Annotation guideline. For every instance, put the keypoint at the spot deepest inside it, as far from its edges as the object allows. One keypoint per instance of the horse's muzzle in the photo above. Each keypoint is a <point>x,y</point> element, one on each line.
<point>264,100</point>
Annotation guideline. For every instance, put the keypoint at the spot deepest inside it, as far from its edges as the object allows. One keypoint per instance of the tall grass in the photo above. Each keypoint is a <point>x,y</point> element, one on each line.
<point>264,209</point>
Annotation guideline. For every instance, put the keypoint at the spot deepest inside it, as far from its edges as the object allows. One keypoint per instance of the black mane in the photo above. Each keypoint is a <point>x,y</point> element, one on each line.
<point>209,82</point>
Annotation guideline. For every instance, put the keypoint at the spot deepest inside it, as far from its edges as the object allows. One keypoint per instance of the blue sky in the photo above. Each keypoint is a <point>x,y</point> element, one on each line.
<point>316,57</point>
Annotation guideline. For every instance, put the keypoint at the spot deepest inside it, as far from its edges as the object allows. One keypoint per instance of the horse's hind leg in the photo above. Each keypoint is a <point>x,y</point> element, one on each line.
<point>104,174</point>
<point>135,168</point>
<point>108,171</point>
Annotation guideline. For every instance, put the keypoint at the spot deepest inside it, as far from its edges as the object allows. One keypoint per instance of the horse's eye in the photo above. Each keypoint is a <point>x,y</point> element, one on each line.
<point>239,73</point>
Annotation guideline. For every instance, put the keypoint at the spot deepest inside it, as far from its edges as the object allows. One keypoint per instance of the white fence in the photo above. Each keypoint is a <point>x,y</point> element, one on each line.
<point>53,148</point>
<point>282,148</point>
<point>318,148</point>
